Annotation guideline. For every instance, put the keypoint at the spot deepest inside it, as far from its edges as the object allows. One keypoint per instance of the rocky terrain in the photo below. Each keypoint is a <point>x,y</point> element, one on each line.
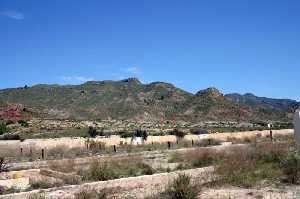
<point>131,99</point>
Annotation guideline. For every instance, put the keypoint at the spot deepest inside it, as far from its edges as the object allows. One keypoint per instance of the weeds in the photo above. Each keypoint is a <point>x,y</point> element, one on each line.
<point>37,196</point>
<point>101,171</point>
<point>3,165</point>
<point>246,167</point>
<point>291,167</point>
<point>180,188</point>
<point>91,194</point>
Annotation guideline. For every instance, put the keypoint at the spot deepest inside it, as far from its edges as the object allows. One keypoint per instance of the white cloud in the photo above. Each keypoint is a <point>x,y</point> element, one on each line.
<point>75,79</point>
<point>133,70</point>
<point>12,14</point>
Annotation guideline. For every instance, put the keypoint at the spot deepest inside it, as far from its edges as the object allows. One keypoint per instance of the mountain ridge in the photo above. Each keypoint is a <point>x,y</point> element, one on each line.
<point>131,99</point>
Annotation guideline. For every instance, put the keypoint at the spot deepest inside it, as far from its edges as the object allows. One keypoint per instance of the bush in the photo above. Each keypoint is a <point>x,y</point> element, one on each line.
<point>141,133</point>
<point>93,132</point>
<point>125,134</point>
<point>100,172</point>
<point>180,188</point>
<point>237,168</point>
<point>42,184</point>
<point>3,129</point>
<point>3,165</point>
<point>178,133</point>
<point>91,194</point>
<point>196,131</point>
<point>291,167</point>
<point>23,123</point>
<point>145,169</point>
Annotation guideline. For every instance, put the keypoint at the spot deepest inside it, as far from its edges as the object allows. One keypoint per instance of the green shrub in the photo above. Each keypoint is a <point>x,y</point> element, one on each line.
<point>180,188</point>
<point>99,171</point>
<point>23,123</point>
<point>291,167</point>
<point>3,129</point>
<point>93,132</point>
<point>125,134</point>
<point>141,133</point>
<point>3,165</point>
<point>41,185</point>
<point>178,133</point>
<point>197,131</point>
<point>91,194</point>
<point>146,169</point>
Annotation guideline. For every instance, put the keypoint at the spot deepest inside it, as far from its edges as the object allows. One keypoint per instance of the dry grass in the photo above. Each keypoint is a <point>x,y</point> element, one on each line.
<point>248,166</point>
<point>65,166</point>
<point>196,158</point>
<point>111,169</point>
<point>180,188</point>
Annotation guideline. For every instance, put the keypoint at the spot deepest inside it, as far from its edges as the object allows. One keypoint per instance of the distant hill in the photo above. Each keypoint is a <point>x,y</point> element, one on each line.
<point>130,99</point>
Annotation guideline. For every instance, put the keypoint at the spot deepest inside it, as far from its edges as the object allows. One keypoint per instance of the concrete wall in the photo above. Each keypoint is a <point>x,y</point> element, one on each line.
<point>37,144</point>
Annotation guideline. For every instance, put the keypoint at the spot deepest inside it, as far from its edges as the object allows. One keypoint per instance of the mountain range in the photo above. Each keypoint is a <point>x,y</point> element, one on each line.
<point>131,99</point>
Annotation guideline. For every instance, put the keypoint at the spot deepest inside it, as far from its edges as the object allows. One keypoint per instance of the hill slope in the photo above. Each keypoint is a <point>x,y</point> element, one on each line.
<point>130,99</point>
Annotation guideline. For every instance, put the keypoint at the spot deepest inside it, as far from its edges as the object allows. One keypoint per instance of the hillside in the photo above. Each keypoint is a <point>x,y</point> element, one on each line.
<point>130,99</point>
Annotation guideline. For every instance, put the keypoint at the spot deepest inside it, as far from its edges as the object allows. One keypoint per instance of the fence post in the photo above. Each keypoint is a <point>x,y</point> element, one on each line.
<point>43,154</point>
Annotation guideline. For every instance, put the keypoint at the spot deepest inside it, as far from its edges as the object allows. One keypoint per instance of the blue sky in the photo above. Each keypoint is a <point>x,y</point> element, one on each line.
<point>234,45</point>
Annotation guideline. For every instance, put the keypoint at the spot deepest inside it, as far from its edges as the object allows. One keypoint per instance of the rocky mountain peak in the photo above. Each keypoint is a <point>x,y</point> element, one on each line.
<point>211,92</point>
<point>132,80</point>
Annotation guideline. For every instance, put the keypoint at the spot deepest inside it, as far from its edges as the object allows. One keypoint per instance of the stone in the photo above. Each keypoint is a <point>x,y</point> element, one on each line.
<point>297,126</point>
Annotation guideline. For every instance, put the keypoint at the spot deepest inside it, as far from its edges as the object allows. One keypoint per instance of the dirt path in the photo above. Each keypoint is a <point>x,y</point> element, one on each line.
<point>291,192</point>
<point>133,187</point>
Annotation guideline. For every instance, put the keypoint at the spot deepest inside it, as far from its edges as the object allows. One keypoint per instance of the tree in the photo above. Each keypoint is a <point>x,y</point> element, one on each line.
<point>3,129</point>
<point>141,133</point>
<point>92,132</point>
<point>178,133</point>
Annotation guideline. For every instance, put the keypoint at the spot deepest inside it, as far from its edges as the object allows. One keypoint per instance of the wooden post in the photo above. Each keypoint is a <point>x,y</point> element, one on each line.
<point>271,133</point>
<point>43,154</point>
